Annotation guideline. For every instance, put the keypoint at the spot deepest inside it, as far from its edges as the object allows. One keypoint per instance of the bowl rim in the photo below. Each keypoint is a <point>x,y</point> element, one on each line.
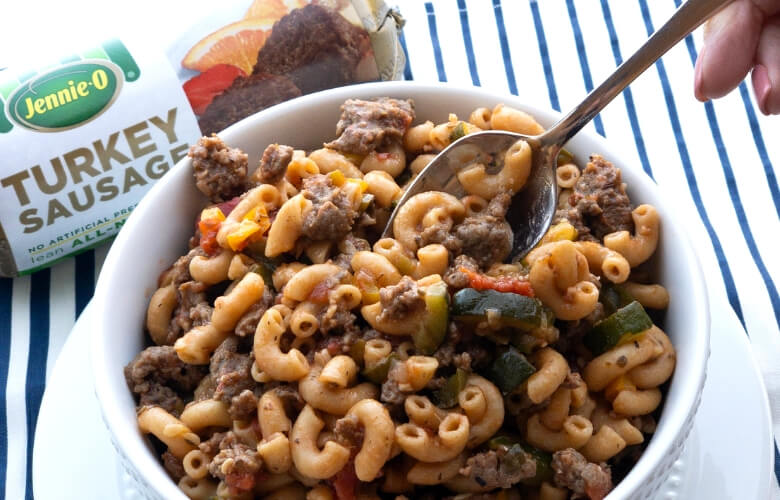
<point>660,445</point>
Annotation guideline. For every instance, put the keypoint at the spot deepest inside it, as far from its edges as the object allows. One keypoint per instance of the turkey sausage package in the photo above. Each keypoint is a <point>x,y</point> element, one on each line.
<point>86,134</point>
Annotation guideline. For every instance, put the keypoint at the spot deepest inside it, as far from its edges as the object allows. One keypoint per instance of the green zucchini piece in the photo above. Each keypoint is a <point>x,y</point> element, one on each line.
<point>264,268</point>
<point>614,297</point>
<point>514,309</point>
<point>434,327</point>
<point>357,350</point>
<point>447,396</point>
<point>544,471</point>
<point>458,132</point>
<point>512,446</point>
<point>509,370</point>
<point>404,264</point>
<point>618,328</point>
<point>378,373</point>
<point>524,342</point>
<point>565,157</point>
<point>365,202</point>
<point>502,440</point>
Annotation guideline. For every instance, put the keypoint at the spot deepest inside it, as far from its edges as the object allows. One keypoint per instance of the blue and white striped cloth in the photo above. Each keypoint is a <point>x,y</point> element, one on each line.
<point>716,159</point>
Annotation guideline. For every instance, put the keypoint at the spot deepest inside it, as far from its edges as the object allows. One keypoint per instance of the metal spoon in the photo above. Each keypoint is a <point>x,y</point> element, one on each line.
<point>533,208</point>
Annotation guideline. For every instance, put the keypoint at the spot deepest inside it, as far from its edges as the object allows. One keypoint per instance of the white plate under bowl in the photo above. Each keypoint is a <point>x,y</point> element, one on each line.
<point>73,458</point>
<point>157,231</point>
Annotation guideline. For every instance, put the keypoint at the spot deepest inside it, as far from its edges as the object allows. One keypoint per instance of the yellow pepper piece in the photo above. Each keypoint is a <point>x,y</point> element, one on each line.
<point>363,185</point>
<point>239,238</point>
<point>369,289</point>
<point>622,383</point>
<point>256,213</point>
<point>369,292</point>
<point>404,264</point>
<point>264,224</point>
<point>337,178</point>
<point>212,213</point>
<point>559,232</point>
<point>354,158</point>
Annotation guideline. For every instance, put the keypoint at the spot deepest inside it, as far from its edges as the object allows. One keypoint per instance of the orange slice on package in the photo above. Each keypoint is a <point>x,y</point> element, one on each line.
<point>237,44</point>
<point>274,9</point>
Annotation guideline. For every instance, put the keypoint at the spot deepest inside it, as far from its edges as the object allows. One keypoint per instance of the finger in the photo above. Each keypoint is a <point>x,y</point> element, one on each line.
<point>766,75</point>
<point>730,41</point>
<point>769,7</point>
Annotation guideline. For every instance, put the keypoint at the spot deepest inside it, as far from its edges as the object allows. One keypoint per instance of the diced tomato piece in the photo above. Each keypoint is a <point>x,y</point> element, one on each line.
<point>208,235</point>
<point>384,156</point>
<point>334,347</point>
<point>229,205</point>
<point>345,482</point>
<point>501,284</point>
<point>240,482</point>
<point>319,293</point>
<point>202,89</point>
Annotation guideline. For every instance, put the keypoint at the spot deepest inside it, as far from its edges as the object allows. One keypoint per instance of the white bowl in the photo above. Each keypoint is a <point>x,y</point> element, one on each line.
<point>158,230</point>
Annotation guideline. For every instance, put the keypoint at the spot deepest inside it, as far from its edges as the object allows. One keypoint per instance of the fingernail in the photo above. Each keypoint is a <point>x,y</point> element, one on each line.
<point>761,86</point>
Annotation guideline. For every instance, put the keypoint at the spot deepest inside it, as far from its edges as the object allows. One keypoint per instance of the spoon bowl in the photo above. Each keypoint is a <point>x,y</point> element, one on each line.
<point>532,209</point>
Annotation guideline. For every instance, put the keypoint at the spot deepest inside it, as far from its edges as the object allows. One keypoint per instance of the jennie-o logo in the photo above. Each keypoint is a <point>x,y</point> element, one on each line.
<point>71,94</point>
<point>66,97</point>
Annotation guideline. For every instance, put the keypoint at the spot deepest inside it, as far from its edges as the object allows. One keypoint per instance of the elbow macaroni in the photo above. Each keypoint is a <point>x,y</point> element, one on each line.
<point>384,188</point>
<point>179,439</point>
<point>449,441</point>
<point>159,312</point>
<point>611,264</point>
<point>307,457</point>
<point>287,226</point>
<point>512,177</point>
<point>228,309</point>
<point>206,413</point>
<point>638,248</point>
<point>378,440</point>
<point>482,428</point>
<point>408,223</point>
<point>560,280</point>
<point>269,358</point>
<point>333,400</point>
<point>211,270</point>
<point>514,120</point>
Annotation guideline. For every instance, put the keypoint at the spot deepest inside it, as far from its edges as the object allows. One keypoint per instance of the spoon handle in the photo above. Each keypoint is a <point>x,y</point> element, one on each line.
<point>686,19</point>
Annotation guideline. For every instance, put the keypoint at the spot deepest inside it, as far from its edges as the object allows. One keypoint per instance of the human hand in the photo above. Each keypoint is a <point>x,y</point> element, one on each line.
<point>744,35</point>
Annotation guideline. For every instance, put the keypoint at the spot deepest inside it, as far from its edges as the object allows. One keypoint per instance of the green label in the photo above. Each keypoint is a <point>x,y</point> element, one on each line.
<point>67,96</point>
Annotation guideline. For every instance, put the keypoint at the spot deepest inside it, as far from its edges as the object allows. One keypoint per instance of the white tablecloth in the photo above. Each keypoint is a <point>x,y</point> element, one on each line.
<point>719,160</point>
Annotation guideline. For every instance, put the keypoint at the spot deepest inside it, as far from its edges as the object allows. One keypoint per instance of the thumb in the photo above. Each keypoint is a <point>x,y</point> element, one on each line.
<point>730,40</point>
<point>766,75</point>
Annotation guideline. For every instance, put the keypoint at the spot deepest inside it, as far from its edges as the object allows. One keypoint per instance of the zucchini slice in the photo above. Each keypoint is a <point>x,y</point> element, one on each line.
<point>622,326</point>
<point>513,309</point>
<point>509,370</point>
